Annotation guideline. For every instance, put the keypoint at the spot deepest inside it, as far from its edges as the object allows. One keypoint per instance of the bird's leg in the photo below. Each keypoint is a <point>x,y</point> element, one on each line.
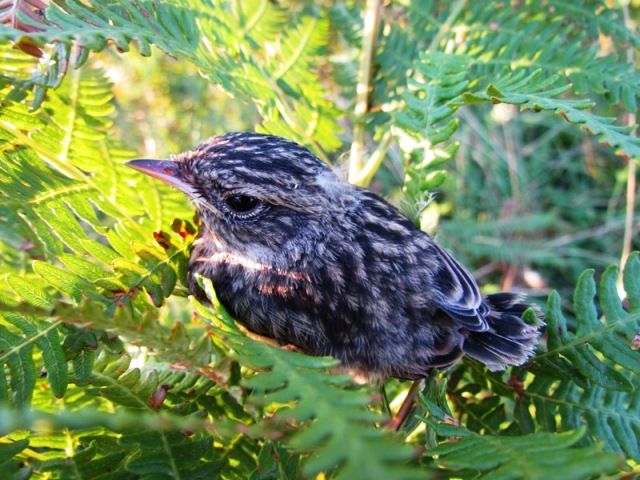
<point>403,412</point>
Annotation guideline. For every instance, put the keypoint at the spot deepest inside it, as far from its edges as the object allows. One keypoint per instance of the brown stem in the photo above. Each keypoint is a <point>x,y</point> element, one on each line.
<point>631,171</point>
<point>371,22</point>
<point>403,412</point>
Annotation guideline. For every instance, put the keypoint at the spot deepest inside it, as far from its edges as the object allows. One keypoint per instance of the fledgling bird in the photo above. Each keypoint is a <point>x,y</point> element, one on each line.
<point>300,256</point>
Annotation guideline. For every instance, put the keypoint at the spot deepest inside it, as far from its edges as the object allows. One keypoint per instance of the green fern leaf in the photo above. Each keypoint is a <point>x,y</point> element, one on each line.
<point>427,120</point>
<point>601,353</point>
<point>171,455</point>
<point>17,354</point>
<point>338,419</point>
<point>565,42</point>
<point>77,26</point>
<point>11,467</point>
<point>532,93</point>
<point>535,456</point>
<point>18,351</point>
<point>30,291</point>
<point>598,18</point>
<point>573,384</point>
<point>47,339</point>
<point>612,339</point>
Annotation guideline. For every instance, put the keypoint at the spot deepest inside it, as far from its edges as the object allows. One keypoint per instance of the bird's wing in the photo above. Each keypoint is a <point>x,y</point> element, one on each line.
<point>460,297</point>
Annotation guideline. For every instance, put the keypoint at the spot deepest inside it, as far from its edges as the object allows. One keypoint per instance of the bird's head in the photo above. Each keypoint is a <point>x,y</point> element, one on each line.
<point>254,189</point>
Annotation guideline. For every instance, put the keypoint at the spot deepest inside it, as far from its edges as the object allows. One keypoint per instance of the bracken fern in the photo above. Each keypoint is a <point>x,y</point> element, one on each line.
<point>109,372</point>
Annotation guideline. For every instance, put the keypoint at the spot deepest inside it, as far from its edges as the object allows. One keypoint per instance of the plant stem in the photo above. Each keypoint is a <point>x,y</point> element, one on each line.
<point>289,116</point>
<point>371,22</point>
<point>365,175</point>
<point>446,26</point>
<point>631,200</point>
<point>405,409</point>
<point>360,173</point>
<point>631,169</point>
<point>385,400</point>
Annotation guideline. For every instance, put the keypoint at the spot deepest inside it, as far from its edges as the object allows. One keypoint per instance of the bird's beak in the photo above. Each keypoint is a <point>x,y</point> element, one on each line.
<point>164,170</point>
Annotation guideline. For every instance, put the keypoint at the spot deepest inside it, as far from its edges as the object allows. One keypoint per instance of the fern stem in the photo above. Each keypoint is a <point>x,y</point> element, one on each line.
<point>371,22</point>
<point>172,463</point>
<point>407,405</point>
<point>365,175</point>
<point>630,206</point>
<point>631,169</point>
<point>446,26</point>
<point>70,450</point>
<point>15,349</point>
<point>290,118</point>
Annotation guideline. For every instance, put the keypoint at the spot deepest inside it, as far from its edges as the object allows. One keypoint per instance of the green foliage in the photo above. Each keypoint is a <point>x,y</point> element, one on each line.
<point>562,44</point>
<point>533,93</point>
<point>538,455</point>
<point>585,378</point>
<point>596,366</point>
<point>338,424</point>
<point>280,84</point>
<point>438,82</point>
<point>17,353</point>
<point>109,372</point>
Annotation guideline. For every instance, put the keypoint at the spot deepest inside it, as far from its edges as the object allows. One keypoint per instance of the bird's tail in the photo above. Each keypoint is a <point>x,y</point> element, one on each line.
<point>509,340</point>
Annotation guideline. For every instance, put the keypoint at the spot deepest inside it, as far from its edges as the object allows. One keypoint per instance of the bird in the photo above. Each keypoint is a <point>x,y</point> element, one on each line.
<point>297,254</point>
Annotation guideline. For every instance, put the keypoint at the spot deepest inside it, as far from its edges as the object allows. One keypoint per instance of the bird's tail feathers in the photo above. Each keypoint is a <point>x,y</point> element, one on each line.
<point>509,340</point>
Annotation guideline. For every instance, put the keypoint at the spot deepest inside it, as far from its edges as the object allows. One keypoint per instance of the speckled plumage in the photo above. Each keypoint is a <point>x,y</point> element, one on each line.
<point>333,269</point>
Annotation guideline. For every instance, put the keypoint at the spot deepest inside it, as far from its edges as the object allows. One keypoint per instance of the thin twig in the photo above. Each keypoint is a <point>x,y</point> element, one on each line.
<point>630,208</point>
<point>289,116</point>
<point>456,8</point>
<point>371,22</point>
<point>405,409</point>
<point>631,167</point>
<point>385,400</point>
<point>598,231</point>
<point>365,175</point>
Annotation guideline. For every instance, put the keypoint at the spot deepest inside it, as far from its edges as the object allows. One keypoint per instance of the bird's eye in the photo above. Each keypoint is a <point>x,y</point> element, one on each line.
<point>242,203</point>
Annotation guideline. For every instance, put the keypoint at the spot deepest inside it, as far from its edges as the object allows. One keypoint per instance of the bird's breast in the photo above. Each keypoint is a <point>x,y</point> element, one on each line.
<point>268,299</point>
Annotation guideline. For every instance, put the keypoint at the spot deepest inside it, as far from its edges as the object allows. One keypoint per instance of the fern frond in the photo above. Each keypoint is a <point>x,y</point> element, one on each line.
<point>10,466</point>
<point>159,452</point>
<point>564,42</point>
<point>337,425</point>
<point>596,17</point>
<point>538,455</point>
<point>67,193</point>
<point>46,337</point>
<point>465,453</point>
<point>90,444</point>
<point>531,92</point>
<point>57,207</point>
<point>612,339</point>
<point>427,120</point>
<point>596,366</point>
<point>401,47</point>
<point>240,66</point>
<point>262,21</point>
<point>585,378</point>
